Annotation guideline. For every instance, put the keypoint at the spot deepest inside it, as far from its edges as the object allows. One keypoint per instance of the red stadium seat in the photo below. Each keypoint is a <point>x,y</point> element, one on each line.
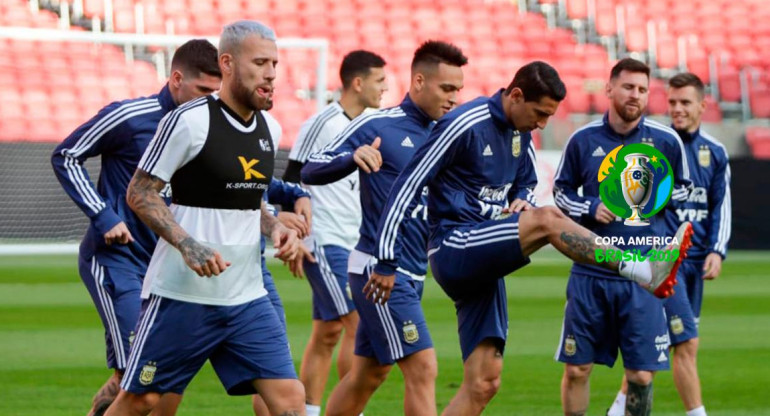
<point>713,113</point>
<point>729,85</point>
<point>657,99</point>
<point>577,9</point>
<point>758,139</point>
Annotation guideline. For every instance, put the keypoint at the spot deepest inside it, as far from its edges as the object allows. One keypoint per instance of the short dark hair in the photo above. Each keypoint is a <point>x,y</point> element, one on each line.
<point>435,52</point>
<point>688,79</point>
<point>537,80</point>
<point>195,57</point>
<point>358,63</point>
<point>629,65</point>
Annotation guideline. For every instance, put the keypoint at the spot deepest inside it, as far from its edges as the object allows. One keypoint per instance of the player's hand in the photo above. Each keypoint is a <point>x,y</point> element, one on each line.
<point>294,222</point>
<point>203,260</point>
<point>368,158</point>
<point>378,288</point>
<point>712,266</point>
<point>118,234</point>
<point>603,214</point>
<point>297,266</point>
<point>516,206</point>
<point>285,242</point>
<point>303,208</point>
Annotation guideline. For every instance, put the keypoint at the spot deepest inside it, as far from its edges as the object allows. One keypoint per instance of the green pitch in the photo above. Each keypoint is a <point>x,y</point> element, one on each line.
<point>52,354</point>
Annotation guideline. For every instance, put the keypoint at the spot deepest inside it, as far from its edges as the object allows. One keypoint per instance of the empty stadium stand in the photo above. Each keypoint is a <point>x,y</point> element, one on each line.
<point>71,81</point>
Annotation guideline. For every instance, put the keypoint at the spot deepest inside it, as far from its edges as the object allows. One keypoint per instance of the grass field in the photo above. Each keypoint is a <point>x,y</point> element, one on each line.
<point>52,354</point>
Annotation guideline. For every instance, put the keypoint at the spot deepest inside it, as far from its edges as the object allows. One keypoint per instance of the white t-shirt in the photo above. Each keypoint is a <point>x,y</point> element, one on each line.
<point>336,206</point>
<point>234,233</point>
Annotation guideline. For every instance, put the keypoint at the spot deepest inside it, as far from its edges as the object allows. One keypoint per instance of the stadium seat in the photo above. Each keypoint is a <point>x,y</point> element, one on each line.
<point>758,139</point>
<point>658,99</point>
<point>729,85</point>
<point>713,113</point>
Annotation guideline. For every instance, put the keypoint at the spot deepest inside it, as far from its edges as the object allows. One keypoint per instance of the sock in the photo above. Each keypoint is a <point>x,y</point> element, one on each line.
<point>698,411</point>
<point>618,407</point>
<point>312,410</point>
<point>638,271</point>
<point>639,399</point>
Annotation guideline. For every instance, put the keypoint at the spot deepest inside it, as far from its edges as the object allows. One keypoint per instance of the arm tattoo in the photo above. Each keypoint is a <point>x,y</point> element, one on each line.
<point>143,198</point>
<point>196,252</point>
<point>268,221</point>
<point>581,247</point>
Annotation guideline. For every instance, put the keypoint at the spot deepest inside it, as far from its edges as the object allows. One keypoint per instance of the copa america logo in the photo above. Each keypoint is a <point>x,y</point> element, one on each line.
<point>636,182</point>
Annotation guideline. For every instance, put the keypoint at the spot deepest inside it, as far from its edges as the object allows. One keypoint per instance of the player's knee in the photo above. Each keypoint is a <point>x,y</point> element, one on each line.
<point>330,334</point>
<point>577,374</point>
<point>642,378</point>
<point>687,350</point>
<point>550,215</point>
<point>546,218</point>
<point>422,370</point>
<point>291,397</point>
<point>484,388</point>
<point>141,403</point>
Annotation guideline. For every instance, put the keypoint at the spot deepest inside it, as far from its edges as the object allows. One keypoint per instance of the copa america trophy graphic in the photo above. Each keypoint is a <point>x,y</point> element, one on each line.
<point>636,185</point>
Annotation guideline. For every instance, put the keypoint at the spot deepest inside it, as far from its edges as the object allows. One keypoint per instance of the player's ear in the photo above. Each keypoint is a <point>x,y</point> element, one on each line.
<point>226,63</point>
<point>358,84</point>
<point>176,78</point>
<point>418,81</point>
<point>607,89</point>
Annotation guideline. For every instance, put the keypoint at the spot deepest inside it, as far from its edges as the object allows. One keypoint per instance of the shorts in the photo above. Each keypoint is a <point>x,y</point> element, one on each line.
<point>394,330</point>
<point>116,292</point>
<point>470,265</point>
<point>175,338</point>
<point>603,315</point>
<point>328,278</point>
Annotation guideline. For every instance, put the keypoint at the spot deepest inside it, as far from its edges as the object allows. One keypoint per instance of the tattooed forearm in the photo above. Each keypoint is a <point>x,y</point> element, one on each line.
<point>143,198</point>
<point>194,251</point>
<point>268,221</point>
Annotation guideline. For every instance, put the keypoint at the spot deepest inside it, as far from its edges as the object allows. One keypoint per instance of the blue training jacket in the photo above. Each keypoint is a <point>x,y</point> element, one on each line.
<point>579,168</point>
<point>708,207</point>
<point>474,163</point>
<point>402,129</point>
<point>119,133</point>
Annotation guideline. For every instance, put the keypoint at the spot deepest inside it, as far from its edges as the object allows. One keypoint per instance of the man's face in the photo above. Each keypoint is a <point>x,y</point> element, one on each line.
<point>529,115</point>
<point>190,88</point>
<point>439,88</point>
<point>628,94</point>
<point>685,106</point>
<point>254,73</point>
<point>373,86</point>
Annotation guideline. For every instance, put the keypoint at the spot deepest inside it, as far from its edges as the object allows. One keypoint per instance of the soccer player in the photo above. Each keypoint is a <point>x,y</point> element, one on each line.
<point>479,165</point>
<point>379,145</point>
<point>117,246</point>
<point>709,210</point>
<point>604,311</point>
<point>203,294</point>
<point>337,216</point>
